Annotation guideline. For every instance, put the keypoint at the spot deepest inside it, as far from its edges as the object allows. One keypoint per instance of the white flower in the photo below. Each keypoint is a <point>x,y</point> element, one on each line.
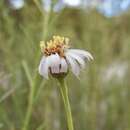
<point>58,58</point>
<point>16,4</point>
<point>72,2</point>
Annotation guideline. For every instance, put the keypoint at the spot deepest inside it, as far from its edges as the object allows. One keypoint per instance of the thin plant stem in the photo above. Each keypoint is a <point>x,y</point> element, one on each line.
<point>29,109</point>
<point>64,93</point>
<point>32,83</point>
<point>30,98</point>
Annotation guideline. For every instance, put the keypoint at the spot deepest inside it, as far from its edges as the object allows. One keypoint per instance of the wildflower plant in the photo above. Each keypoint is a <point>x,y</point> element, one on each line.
<point>57,60</point>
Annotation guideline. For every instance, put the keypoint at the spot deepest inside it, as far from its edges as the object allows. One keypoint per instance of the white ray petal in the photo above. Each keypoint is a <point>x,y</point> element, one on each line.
<point>64,66</point>
<point>78,58</point>
<point>74,65</point>
<point>54,61</point>
<point>43,67</point>
<point>82,53</point>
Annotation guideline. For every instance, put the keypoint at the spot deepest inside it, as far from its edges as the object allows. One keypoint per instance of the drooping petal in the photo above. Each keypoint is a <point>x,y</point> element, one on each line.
<point>82,53</point>
<point>54,61</point>
<point>78,58</point>
<point>43,67</point>
<point>74,65</point>
<point>64,66</point>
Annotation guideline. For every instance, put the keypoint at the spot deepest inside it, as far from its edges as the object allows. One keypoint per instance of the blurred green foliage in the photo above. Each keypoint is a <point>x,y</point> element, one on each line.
<point>97,104</point>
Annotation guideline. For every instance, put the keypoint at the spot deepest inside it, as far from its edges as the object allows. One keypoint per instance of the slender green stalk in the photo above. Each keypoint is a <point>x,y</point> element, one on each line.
<point>30,98</point>
<point>32,85</point>
<point>29,109</point>
<point>64,93</point>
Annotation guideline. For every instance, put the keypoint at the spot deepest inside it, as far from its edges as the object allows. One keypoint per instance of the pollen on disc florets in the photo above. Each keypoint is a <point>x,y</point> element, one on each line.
<point>57,45</point>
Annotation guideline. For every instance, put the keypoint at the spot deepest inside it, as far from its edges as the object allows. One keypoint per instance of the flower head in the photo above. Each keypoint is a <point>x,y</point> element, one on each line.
<point>58,58</point>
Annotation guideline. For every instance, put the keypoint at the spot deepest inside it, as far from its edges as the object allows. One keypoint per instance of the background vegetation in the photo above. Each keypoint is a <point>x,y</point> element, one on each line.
<point>100,100</point>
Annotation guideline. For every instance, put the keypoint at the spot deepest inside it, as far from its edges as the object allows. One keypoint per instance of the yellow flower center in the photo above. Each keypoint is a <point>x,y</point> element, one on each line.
<point>56,45</point>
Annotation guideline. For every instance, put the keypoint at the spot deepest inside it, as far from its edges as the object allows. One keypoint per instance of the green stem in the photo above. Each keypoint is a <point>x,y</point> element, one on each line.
<point>29,109</point>
<point>64,93</point>
<point>31,96</point>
